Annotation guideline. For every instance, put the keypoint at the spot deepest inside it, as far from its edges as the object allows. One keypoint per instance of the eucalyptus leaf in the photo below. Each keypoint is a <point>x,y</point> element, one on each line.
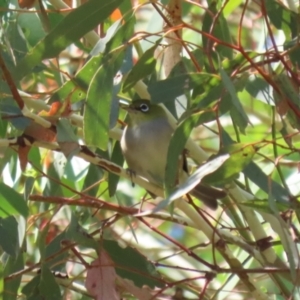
<point>9,230</point>
<point>11,202</point>
<point>144,67</point>
<point>11,266</point>
<point>240,156</point>
<point>193,180</point>
<point>74,26</point>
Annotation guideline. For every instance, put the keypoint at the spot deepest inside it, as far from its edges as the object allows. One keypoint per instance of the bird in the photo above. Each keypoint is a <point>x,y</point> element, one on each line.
<point>144,144</point>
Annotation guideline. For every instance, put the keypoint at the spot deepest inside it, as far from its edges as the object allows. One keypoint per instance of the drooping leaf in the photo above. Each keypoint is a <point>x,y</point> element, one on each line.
<point>31,288</point>
<point>48,287</point>
<point>211,166</point>
<point>113,179</point>
<point>101,93</point>
<point>176,146</point>
<point>57,262</point>
<point>93,175</point>
<point>237,112</point>
<point>144,67</point>
<point>12,265</point>
<point>97,108</point>
<point>217,27</point>
<point>9,230</point>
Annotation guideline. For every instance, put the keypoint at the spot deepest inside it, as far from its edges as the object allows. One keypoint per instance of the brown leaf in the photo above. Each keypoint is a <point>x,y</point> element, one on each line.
<point>140,293</point>
<point>101,278</point>
<point>26,3</point>
<point>23,154</point>
<point>40,133</point>
<point>68,148</point>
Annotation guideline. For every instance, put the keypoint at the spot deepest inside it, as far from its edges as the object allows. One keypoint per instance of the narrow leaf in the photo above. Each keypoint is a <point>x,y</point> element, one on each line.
<point>177,144</point>
<point>193,180</point>
<point>237,112</point>
<point>97,109</point>
<point>144,67</point>
<point>48,287</point>
<point>113,179</point>
<point>74,26</point>
<point>12,265</point>
<point>9,230</point>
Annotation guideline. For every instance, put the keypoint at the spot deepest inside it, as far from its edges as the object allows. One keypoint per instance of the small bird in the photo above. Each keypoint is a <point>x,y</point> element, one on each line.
<point>145,143</point>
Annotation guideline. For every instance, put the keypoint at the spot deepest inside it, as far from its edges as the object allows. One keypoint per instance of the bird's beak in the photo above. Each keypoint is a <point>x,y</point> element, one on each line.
<point>124,104</point>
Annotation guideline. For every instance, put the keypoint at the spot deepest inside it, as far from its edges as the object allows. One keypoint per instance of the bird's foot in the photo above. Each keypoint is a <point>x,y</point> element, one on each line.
<point>132,174</point>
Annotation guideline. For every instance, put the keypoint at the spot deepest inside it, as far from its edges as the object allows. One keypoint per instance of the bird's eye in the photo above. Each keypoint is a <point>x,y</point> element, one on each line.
<point>144,107</point>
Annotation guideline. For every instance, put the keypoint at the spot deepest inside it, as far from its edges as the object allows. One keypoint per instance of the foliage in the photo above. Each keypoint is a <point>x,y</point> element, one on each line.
<point>227,71</point>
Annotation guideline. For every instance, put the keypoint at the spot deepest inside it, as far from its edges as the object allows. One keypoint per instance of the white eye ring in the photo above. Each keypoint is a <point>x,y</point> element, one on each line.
<point>144,107</point>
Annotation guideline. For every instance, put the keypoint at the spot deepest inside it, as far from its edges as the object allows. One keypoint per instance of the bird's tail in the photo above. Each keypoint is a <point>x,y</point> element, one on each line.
<point>208,195</point>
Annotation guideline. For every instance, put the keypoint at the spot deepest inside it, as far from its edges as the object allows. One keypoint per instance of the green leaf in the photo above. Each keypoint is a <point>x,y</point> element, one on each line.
<point>17,41</point>
<point>293,50</point>
<point>65,132</point>
<point>83,77</point>
<point>94,174</point>
<point>257,176</point>
<point>11,202</point>
<point>101,44</point>
<point>31,288</point>
<point>193,180</point>
<point>237,112</point>
<point>76,233</point>
<point>132,265</point>
<point>100,98</point>
<point>57,262</point>
<point>283,18</point>
<point>113,179</point>
<point>282,229</point>
<point>256,85</point>
<point>288,96</point>
<point>74,26</point>
<point>12,265</point>
<point>269,186</point>
<point>176,146</point>
<point>288,90</point>
<point>231,6</point>
<point>208,91</point>
<point>53,187</point>
<point>218,28</point>
<point>240,156</point>
<point>144,67</point>
<point>48,288</point>
<point>167,90</point>
<point>32,28</point>
<point>263,205</point>
<point>2,280</point>
<point>9,230</point>
<point>97,108</point>
<point>66,138</point>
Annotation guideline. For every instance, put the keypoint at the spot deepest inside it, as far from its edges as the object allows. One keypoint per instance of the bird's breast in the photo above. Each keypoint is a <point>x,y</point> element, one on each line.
<point>145,149</point>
